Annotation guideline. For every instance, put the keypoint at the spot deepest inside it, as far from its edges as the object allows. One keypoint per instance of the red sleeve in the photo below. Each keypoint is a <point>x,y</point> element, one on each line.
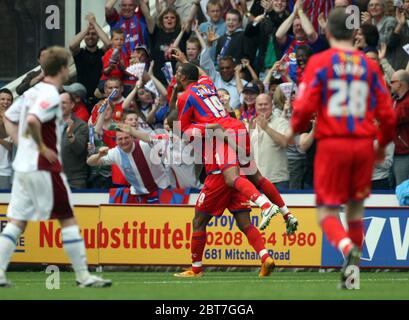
<point>105,59</point>
<point>82,114</point>
<point>170,88</point>
<point>185,112</point>
<point>308,99</point>
<point>94,114</point>
<point>383,111</point>
<point>125,59</point>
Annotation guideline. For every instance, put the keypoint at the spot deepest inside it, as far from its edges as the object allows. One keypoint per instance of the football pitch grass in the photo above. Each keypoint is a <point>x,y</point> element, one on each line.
<point>212,286</point>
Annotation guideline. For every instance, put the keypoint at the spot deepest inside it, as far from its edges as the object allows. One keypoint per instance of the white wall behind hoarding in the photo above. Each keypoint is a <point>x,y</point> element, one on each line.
<point>378,200</point>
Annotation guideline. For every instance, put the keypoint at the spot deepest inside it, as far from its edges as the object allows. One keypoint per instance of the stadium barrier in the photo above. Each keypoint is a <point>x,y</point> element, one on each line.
<point>159,236</point>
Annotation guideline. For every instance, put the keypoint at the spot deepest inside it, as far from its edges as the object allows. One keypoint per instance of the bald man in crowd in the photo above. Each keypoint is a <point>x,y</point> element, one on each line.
<point>400,89</point>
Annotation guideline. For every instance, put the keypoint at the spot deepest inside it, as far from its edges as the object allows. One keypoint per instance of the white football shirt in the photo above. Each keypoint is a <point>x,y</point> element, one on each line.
<point>42,101</point>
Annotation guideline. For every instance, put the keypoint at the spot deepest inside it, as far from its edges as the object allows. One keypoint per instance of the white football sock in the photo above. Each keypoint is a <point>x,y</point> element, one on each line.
<point>262,200</point>
<point>284,210</point>
<point>343,244</point>
<point>8,240</point>
<point>74,247</point>
<point>197,264</point>
<point>262,253</point>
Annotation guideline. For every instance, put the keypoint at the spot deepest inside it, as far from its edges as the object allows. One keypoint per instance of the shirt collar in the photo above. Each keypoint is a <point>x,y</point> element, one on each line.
<point>403,96</point>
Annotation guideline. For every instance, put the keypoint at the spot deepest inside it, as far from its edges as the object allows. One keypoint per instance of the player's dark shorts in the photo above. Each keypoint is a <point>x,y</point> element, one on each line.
<point>216,196</point>
<point>343,170</point>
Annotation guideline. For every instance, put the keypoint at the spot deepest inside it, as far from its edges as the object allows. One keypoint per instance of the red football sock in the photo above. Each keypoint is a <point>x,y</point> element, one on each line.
<point>356,232</point>
<point>256,241</point>
<point>245,187</point>
<point>197,248</point>
<point>270,190</point>
<point>336,234</point>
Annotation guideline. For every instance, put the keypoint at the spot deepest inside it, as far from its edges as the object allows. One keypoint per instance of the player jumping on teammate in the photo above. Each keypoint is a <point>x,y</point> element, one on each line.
<point>198,106</point>
<point>199,109</point>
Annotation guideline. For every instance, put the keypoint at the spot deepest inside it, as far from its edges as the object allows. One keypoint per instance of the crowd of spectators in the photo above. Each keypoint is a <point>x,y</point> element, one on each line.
<point>255,51</point>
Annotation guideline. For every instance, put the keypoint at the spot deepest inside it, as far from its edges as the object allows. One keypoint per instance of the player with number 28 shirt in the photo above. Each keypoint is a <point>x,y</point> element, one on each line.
<point>347,92</point>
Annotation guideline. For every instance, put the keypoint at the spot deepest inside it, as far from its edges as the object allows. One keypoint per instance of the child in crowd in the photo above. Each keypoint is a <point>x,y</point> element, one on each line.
<point>114,61</point>
<point>216,24</point>
<point>193,49</point>
<point>110,85</point>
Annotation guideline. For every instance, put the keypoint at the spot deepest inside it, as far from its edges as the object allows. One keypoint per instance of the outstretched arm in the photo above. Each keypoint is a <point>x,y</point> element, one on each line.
<point>198,35</point>
<point>268,76</point>
<point>151,117</point>
<point>158,85</point>
<point>173,99</point>
<point>131,96</point>
<point>306,24</point>
<point>75,43</point>
<point>134,132</point>
<point>159,8</point>
<point>147,14</point>
<point>101,33</point>
<point>95,159</point>
<point>181,57</point>
<point>282,31</point>
<point>176,43</point>
<point>192,14</point>
<point>101,116</point>
<point>237,77</point>
<point>109,7</point>
<point>246,64</point>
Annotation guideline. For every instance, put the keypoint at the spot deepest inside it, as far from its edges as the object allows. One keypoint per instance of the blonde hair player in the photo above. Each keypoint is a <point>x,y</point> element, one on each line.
<point>40,190</point>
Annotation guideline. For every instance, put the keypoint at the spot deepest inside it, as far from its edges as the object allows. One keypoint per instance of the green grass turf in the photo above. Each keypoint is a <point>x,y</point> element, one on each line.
<point>213,285</point>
